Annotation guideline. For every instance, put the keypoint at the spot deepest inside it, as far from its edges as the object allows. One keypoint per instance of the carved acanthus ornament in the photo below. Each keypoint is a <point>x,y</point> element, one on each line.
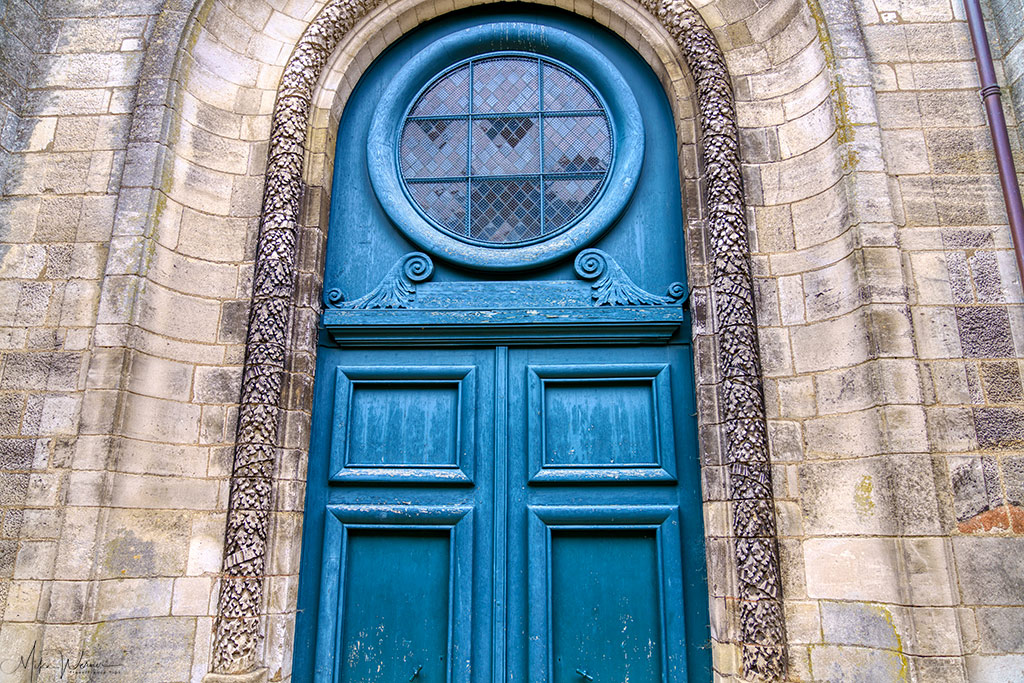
<point>396,290</point>
<point>612,287</point>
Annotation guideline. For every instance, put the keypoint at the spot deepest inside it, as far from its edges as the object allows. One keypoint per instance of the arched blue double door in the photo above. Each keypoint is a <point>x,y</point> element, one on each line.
<point>503,481</point>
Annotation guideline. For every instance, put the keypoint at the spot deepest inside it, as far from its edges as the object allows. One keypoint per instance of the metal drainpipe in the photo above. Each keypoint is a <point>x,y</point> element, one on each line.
<point>990,93</point>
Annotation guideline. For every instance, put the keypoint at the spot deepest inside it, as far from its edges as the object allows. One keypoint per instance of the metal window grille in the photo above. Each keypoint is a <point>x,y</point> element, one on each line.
<point>505,149</point>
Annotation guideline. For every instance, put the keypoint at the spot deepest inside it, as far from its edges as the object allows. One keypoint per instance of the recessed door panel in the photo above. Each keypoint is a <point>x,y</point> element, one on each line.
<point>604,591</point>
<point>404,423</point>
<point>605,607</point>
<point>395,594</point>
<point>596,422</point>
<point>396,606</point>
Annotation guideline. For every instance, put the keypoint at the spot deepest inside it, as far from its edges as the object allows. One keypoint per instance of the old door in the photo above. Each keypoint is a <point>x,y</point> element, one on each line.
<point>503,481</point>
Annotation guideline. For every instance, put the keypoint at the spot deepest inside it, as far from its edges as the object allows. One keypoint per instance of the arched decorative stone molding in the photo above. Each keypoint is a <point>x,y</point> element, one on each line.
<point>236,639</point>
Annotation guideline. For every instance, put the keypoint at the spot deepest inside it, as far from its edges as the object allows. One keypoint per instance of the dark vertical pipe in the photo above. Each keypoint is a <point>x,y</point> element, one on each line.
<point>990,94</point>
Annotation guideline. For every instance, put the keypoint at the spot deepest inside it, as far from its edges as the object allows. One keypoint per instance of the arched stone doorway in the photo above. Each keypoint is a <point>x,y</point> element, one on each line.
<point>729,297</point>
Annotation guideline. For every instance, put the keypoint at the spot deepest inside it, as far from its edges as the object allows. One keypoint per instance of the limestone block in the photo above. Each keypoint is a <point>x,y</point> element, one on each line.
<point>144,457</point>
<point>926,564</point>
<point>785,440</point>
<point>194,185</point>
<point>23,261</point>
<point>162,420</point>
<point>213,151</point>
<point>217,384</point>
<point>931,278</point>
<point>180,316</point>
<point>820,217</point>
<point>149,649</point>
<point>212,238</point>
<point>846,497</point>
<point>849,344</point>
<point>160,378</point>
<point>852,569</point>
<point>144,543</point>
<point>856,664</point>
<point>865,624</point>
<point>222,60</point>
<point>802,176</point>
<point>22,602</point>
<point>995,668</point>
<point>833,290</point>
<point>936,332</point>
<point>192,275</point>
<point>67,602</point>
<point>138,491</point>
<point>205,544</point>
<point>905,152</point>
<point>797,397</point>
<point>1000,629</point>
<point>951,429</point>
<point>968,200</point>
<point>193,595</point>
<point>803,621</point>
<point>984,331</point>
<point>35,560</point>
<point>807,132</point>
<point>776,355</point>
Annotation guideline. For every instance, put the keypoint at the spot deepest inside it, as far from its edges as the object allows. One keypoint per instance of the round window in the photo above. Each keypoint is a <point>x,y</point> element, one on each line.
<point>510,158</point>
<point>505,149</point>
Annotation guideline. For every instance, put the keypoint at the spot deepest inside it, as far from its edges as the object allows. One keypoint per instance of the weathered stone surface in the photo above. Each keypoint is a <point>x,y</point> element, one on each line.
<point>989,570</point>
<point>855,664</point>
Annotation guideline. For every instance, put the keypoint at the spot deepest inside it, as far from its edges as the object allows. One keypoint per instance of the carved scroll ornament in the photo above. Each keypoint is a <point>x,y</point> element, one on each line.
<point>612,287</point>
<point>236,646</point>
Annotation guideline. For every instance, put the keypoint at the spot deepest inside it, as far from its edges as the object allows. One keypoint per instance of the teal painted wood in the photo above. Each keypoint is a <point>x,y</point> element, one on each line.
<point>363,243</point>
<point>619,505</point>
<point>512,455</point>
<point>577,455</point>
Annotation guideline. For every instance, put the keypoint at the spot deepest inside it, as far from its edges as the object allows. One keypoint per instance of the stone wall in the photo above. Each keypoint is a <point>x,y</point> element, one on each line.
<point>132,154</point>
<point>68,72</point>
<point>1008,22</point>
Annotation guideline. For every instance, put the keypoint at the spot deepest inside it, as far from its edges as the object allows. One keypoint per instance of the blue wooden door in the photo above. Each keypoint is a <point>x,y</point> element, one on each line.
<point>399,511</point>
<point>503,482</point>
<point>507,514</point>
<point>605,523</point>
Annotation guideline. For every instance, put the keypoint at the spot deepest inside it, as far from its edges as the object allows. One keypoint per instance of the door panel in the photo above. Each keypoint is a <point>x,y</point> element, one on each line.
<point>395,580</point>
<point>411,423</point>
<point>604,591</point>
<point>605,620</point>
<point>598,423</point>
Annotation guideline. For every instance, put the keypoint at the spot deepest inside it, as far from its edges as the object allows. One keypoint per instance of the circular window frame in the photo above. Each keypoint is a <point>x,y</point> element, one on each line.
<point>436,60</point>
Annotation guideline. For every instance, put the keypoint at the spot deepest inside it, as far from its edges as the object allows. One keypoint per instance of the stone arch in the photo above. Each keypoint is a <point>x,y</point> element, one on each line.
<point>729,303</point>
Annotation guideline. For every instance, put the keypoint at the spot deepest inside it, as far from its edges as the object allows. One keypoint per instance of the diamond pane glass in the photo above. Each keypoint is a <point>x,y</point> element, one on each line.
<point>565,199</point>
<point>477,128</point>
<point>576,144</point>
<point>449,95</point>
<point>565,92</point>
<point>443,202</point>
<point>433,148</point>
<point>504,211</point>
<point>506,146</point>
<point>505,84</point>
